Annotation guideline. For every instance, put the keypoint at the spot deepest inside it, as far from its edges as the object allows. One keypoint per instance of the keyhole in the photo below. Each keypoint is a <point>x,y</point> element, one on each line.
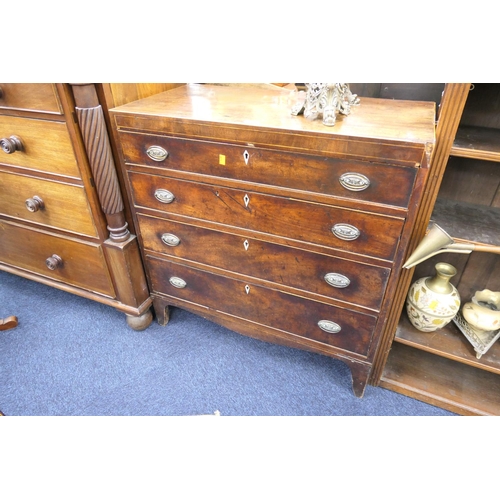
<point>246,199</point>
<point>246,156</point>
<point>246,244</point>
<point>247,289</point>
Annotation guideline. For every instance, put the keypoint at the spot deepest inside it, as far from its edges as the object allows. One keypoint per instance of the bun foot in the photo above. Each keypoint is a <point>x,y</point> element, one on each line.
<point>141,322</point>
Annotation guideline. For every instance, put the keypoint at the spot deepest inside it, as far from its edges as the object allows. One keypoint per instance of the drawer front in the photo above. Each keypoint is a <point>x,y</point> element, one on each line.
<point>82,264</point>
<point>262,305</point>
<point>331,277</point>
<point>45,145</point>
<point>346,230</point>
<point>45,202</point>
<point>30,97</point>
<point>370,182</point>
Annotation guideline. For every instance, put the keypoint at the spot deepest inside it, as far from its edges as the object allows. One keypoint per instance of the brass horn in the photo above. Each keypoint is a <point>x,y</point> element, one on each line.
<point>437,240</point>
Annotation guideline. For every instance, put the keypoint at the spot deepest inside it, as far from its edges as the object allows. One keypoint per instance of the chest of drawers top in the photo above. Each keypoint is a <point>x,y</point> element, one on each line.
<point>396,131</point>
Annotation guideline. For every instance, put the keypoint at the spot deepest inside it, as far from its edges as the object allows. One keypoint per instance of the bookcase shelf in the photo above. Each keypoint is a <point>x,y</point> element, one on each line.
<point>441,381</point>
<point>478,143</point>
<point>468,222</point>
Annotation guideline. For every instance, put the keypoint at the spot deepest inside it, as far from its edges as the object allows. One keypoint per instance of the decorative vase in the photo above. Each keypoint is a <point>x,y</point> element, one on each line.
<point>483,312</point>
<point>433,301</point>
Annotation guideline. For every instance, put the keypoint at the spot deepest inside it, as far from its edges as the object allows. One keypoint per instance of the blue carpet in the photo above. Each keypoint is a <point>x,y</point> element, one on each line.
<point>73,356</point>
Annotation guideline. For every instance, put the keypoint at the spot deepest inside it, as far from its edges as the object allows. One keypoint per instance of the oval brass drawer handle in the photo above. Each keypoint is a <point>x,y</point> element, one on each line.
<point>329,326</point>
<point>11,144</point>
<point>164,196</point>
<point>177,282</point>
<point>157,153</point>
<point>337,280</point>
<point>354,181</point>
<point>54,262</point>
<point>346,232</point>
<point>34,204</point>
<point>170,239</point>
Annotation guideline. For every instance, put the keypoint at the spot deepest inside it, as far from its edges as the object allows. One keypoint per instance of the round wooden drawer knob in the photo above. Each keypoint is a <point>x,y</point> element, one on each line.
<point>34,204</point>
<point>54,262</point>
<point>11,144</point>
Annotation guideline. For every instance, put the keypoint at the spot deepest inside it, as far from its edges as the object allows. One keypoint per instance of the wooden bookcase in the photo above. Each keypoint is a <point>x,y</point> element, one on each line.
<point>441,368</point>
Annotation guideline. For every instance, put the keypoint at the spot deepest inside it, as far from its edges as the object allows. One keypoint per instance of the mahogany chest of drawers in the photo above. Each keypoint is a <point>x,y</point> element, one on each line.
<point>61,220</point>
<point>274,226</point>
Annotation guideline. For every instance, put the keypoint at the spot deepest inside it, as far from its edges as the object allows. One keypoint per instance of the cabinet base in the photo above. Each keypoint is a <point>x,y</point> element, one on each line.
<point>442,382</point>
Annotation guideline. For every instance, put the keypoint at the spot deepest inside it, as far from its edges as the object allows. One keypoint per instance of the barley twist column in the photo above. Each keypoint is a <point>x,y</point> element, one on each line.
<point>95,136</point>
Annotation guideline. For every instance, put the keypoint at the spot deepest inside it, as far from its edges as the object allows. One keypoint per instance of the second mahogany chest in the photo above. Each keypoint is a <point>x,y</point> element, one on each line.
<point>62,219</point>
